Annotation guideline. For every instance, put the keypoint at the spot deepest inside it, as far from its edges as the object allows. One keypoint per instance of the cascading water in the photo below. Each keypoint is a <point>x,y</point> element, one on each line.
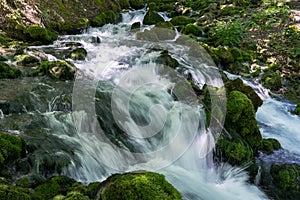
<point>132,113</point>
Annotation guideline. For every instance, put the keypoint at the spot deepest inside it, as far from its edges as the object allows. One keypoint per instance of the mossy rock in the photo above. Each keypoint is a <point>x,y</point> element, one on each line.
<point>7,72</point>
<point>54,186</point>
<point>147,36</point>
<point>235,152</point>
<point>182,20</point>
<point>225,56</point>
<point>8,192</point>
<point>35,33</point>
<point>78,54</point>
<point>136,4</point>
<point>27,60</point>
<point>152,17</point>
<point>193,30</point>
<point>75,195</point>
<point>105,18</point>
<point>238,85</point>
<point>269,145</point>
<point>240,118</point>
<point>60,69</point>
<point>83,23</point>
<point>167,60</point>
<point>164,31</point>
<point>138,185</point>
<point>30,181</point>
<point>10,149</point>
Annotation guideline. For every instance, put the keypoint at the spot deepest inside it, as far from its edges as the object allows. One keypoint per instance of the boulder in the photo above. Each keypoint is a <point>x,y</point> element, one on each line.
<point>152,17</point>
<point>61,69</point>
<point>138,185</point>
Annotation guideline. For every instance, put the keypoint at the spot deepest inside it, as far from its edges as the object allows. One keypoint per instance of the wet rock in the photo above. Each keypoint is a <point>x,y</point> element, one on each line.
<point>35,33</point>
<point>136,26</point>
<point>138,185</point>
<point>152,17</point>
<point>164,31</point>
<point>167,60</point>
<point>11,107</point>
<point>147,35</point>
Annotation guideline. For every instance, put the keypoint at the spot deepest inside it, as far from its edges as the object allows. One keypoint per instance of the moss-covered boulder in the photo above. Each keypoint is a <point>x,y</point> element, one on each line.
<point>7,72</point>
<point>269,145</point>
<point>35,33</point>
<point>11,148</point>
<point>242,138</point>
<point>152,17</point>
<point>105,18</point>
<point>281,181</point>
<point>182,20</point>
<point>138,185</point>
<point>240,118</point>
<point>61,69</point>
<point>238,85</point>
<point>27,60</point>
<point>54,186</point>
<point>192,29</point>
<point>14,193</point>
<point>136,26</point>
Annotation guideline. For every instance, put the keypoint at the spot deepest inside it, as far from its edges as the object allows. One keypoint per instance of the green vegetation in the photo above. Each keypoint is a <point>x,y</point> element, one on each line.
<point>8,72</point>
<point>139,185</point>
<point>152,17</point>
<point>36,33</point>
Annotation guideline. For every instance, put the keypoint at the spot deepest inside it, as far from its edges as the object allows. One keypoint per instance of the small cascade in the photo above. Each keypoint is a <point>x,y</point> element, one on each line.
<point>258,175</point>
<point>1,114</point>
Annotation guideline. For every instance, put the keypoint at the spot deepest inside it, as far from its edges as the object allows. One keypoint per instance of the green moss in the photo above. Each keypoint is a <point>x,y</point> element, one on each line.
<point>152,17</point>
<point>240,118</point>
<point>35,33</point>
<point>182,20</point>
<point>238,85</point>
<point>74,195</point>
<point>54,186</point>
<point>142,185</point>
<point>7,72</point>
<point>10,148</point>
<point>8,192</point>
<point>192,29</point>
<point>269,145</point>
<point>83,23</point>
<point>105,18</point>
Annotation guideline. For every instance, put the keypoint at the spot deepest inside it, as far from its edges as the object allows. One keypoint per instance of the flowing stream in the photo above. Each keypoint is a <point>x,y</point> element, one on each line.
<point>132,112</point>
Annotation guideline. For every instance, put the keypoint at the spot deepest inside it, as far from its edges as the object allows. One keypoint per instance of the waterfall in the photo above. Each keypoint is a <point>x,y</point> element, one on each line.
<point>129,112</point>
